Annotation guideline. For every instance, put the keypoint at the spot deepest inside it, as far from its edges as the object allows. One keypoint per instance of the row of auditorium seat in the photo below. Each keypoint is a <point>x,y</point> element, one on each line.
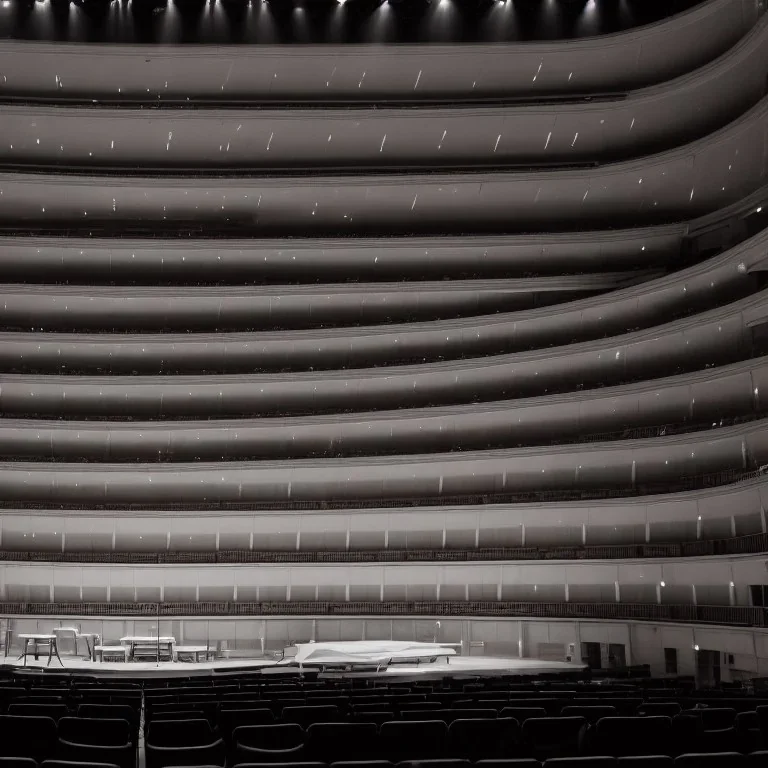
<point>95,740</point>
<point>690,760</point>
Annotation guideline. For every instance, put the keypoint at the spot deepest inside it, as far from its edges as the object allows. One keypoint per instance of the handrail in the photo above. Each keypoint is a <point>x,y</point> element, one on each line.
<point>680,485</point>
<point>620,433</point>
<point>706,614</point>
<point>756,543</point>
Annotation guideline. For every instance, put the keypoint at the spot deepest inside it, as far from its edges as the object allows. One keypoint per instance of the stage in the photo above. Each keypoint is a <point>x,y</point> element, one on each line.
<point>442,666</point>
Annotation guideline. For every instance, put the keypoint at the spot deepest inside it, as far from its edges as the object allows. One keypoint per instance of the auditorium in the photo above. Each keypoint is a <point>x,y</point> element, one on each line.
<point>381,383</point>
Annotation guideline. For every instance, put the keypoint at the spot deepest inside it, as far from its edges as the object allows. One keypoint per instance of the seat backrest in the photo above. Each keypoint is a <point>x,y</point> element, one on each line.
<point>306,715</point>
<point>542,730</point>
<point>715,718</point>
<point>590,714</point>
<point>55,711</point>
<point>667,708</point>
<point>709,759</point>
<point>336,741</point>
<point>109,712</point>
<point>95,731</point>
<point>19,727</point>
<point>521,714</point>
<point>179,733</point>
<point>17,762</point>
<point>229,719</point>
<point>413,740</point>
<point>270,737</point>
<point>619,736</point>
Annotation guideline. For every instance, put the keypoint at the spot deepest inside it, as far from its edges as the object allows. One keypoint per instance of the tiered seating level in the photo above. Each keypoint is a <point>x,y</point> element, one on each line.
<point>290,721</point>
<point>393,353</point>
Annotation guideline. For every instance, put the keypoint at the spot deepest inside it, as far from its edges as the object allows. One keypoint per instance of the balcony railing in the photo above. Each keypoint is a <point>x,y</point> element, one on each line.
<point>756,543</point>
<point>704,614</point>
<point>681,485</point>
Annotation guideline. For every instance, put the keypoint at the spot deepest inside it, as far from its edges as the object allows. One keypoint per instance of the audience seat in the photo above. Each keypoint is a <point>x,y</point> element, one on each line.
<point>591,714</point>
<point>33,737</point>
<point>17,762</point>
<point>710,760</point>
<point>278,743</point>
<point>521,714</point>
<point>308,715</point>
<point>342,741</point>
<point>479,739</point>
<point>93,740</point>
<point>620,736</point>
<point>183,742</point>
<point>550,737</point>
<point>413,740</point>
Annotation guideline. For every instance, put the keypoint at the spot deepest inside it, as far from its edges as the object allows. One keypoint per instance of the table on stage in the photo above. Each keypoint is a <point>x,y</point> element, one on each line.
<point>148,646</point>
<point>37,640</point>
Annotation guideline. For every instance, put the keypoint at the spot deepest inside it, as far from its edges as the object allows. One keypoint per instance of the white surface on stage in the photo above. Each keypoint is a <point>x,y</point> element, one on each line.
<point>459,665</point>
<point>370,651</point>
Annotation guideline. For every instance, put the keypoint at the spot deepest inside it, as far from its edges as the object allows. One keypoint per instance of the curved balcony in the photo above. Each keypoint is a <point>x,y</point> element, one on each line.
<point>617,465</point>
<point>693,518</point>
<point>713,282</point>
<point>643,121</point>
<point>682,403</point>
<point>86,308</point>
<point>651,54</point>
<point>643,582</point>
<point>99,260</point>
<point>713,338</point>
<point>683,183</point>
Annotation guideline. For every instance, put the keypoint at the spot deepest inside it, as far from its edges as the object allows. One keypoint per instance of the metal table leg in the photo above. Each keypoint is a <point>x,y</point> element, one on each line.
<point>54,646</point>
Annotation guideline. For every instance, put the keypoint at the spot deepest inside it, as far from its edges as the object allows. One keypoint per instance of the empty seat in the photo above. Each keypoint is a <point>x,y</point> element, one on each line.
<point>748,732</point>
<point>709,760</point>
<point>92,740</point>
<point>230,719</point>
<point>33,737</point>
<point>521,714</point>
<point>110,712</point>
<point>717,718</point>
<point>54,711</point>
<point>509,762</point>
<point>602,761</point>
<point>378,718</point>
<point>273,765</point>
<point>590,713</point>
<point>488,738</point>
<point>74,764</point>
<point>331,742</point>
<point>416,740</point>
<point>619,736</point>
<point>17,762</point>
<point>646,761</point>
<point>278,743</point>
<point>549,737</point>
<point>444,763</point>
<point>362,764</point>
<point>664,708</point>
<point>183,742</point>
<point>308,715</point>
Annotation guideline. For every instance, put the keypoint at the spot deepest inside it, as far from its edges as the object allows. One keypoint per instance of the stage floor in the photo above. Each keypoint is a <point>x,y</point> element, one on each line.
<point>458,665</point>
